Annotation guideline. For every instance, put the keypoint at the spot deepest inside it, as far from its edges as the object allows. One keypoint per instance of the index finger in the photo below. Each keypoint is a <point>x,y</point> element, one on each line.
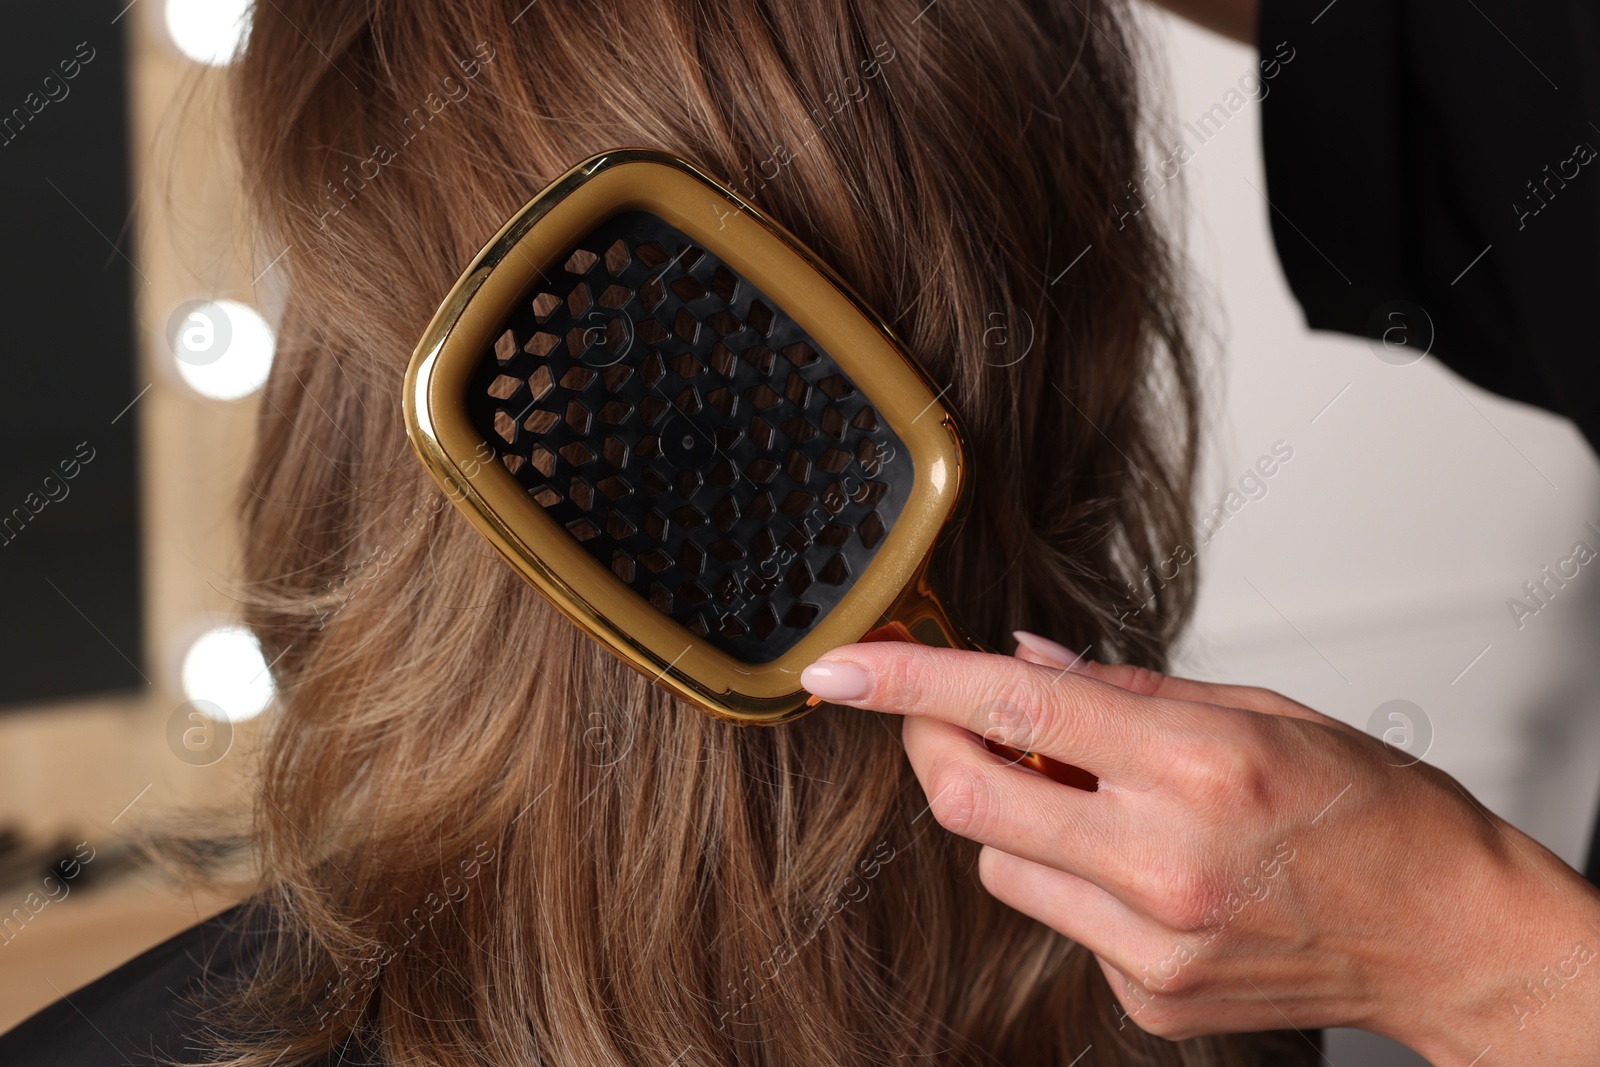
<point>1070,717</point>
<point>1146,682</point>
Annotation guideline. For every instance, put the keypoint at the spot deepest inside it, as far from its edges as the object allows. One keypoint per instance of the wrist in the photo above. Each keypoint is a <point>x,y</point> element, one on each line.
<point>1512,974</point>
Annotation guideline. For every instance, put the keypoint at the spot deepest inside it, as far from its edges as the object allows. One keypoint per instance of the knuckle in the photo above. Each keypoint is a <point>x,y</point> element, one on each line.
<point>1144,681</point>
<point>900,681</point>
<point>986,868</point>
<point>1183,898</point>
<point>1141,681</point>
<point>992,873</point>
<point>1228,773</point>
<point>957,799</point>
<point>1262,697</point>
<point>1156,1013</point>
<point>1168,1020</point>
<point>1014,716</point>
<point>1186,978</point>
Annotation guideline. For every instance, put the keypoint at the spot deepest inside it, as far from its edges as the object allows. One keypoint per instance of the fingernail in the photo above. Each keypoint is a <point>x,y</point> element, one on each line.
<point>836,681</point>
<point>1059,654</point>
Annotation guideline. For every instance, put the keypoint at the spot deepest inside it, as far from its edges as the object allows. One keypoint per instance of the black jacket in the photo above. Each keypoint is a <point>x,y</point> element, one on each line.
<point>1433,171</point>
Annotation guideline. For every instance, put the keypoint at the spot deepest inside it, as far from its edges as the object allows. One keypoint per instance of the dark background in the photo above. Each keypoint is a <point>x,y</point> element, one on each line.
<point>70,577</point>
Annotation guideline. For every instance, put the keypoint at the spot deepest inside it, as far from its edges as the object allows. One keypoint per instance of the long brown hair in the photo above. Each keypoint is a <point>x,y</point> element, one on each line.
<point>483,840</point>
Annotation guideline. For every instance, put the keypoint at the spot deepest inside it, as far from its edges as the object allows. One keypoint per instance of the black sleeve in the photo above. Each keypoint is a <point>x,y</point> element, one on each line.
<point>142,1013</point>
<point>1433,171</point>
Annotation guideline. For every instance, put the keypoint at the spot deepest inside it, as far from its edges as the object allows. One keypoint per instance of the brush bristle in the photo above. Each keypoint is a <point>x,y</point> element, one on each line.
<point>681,426</point>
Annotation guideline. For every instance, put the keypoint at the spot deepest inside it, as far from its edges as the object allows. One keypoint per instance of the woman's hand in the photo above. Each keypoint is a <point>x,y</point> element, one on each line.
<point>1246,863</point>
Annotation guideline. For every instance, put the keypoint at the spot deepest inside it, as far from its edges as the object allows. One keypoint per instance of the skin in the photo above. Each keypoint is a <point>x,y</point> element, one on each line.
<point>1246,862</point>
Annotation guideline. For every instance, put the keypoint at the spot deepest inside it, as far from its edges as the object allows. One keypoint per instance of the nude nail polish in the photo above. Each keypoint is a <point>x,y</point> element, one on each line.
<point>1058,654</point>
<point>836,680</point>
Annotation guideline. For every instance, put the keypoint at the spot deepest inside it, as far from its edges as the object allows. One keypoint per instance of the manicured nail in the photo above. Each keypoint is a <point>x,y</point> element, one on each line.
<point>836,681</point>
<point>1059,654</point>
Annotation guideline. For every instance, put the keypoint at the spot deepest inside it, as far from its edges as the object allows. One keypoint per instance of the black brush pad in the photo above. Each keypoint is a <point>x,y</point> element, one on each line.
<point>698,443</point>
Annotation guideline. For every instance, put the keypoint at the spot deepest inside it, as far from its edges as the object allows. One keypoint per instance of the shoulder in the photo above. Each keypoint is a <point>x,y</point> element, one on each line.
<point>144,1011</point>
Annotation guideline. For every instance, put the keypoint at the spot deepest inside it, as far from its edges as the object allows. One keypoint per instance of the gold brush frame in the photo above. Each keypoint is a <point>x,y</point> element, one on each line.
<point>893,593</point>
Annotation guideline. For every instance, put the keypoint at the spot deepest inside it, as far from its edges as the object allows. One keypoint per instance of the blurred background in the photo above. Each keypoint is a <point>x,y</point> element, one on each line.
<point>128,697</point>
<point>1370,576</point>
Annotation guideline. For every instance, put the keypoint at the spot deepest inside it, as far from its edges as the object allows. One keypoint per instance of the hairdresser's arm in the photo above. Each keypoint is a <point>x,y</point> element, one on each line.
<point>1246,864</point>
<point>1231,18</point>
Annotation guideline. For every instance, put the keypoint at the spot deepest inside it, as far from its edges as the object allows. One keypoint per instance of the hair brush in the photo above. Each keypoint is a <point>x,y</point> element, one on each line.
<point>686,432</point>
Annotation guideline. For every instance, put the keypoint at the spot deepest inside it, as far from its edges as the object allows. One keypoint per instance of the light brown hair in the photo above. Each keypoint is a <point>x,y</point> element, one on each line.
<point>483,841</point>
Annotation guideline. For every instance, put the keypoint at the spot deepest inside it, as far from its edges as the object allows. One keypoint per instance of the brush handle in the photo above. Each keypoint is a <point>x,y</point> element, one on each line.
<point>920,615</point>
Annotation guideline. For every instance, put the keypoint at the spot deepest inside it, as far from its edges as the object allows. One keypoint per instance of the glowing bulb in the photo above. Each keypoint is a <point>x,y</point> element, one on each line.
<point>225,668</point>
<point>223,348</point>
<point>208,31</point>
